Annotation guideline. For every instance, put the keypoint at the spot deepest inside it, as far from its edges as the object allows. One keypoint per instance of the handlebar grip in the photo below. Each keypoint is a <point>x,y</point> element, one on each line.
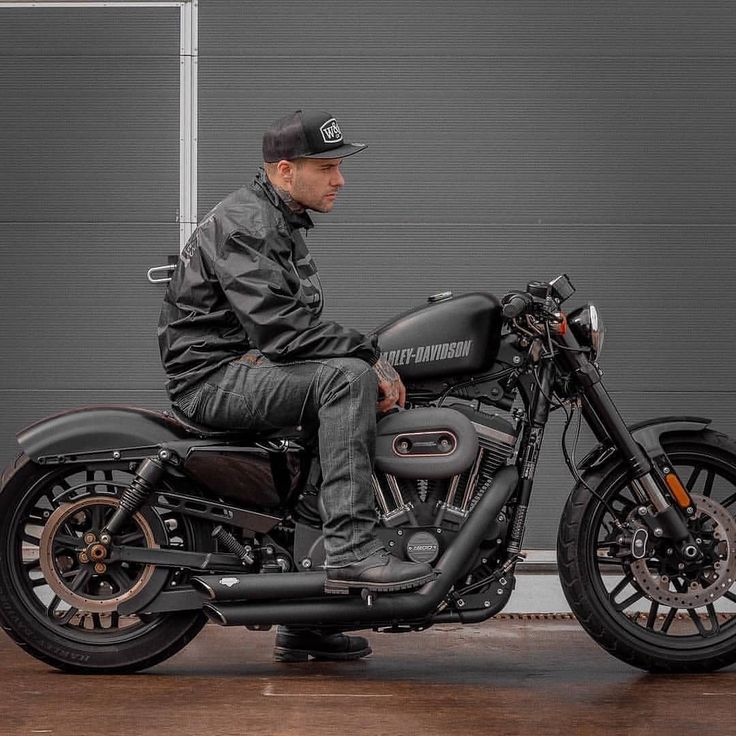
<point>515,304</point>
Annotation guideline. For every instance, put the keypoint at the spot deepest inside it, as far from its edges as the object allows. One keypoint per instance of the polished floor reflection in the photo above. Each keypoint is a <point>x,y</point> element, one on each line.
<point>509,676</point>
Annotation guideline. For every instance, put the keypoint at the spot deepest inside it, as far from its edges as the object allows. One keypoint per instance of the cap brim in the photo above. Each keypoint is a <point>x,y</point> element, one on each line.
<point>348,149</point>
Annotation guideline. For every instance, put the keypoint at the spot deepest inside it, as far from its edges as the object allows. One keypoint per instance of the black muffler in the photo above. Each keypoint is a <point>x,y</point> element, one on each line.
<point>274,595</point>
<point>270,586</point>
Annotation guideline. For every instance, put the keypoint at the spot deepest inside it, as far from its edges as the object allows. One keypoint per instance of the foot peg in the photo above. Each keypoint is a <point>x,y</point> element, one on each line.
<point>368,595</point>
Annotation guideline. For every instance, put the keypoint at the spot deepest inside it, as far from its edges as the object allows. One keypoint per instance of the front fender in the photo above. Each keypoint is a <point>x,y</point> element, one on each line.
<point>647,434</point>
<point>129,431</point>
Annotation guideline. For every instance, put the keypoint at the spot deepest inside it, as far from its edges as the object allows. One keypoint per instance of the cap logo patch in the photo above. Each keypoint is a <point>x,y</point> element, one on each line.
<point>331,132</point>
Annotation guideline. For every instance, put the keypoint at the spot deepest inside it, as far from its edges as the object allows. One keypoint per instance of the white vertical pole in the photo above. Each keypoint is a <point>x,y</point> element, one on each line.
<point>194,128</point>
<point>188,120</point>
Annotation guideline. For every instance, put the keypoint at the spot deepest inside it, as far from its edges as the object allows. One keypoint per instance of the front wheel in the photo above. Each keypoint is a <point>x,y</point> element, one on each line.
<point>657,612</point>
<point>60,605</point>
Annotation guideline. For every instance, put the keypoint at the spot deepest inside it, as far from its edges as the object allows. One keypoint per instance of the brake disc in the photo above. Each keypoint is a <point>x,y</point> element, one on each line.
<point>58,578</point>
<point>722,570</point>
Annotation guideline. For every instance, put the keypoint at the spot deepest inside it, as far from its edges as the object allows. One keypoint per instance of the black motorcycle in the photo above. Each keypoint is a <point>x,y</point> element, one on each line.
<point>123,530</point>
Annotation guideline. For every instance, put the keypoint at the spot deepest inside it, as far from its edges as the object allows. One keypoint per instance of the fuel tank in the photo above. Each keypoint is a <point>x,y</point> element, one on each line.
<point>449,336</point>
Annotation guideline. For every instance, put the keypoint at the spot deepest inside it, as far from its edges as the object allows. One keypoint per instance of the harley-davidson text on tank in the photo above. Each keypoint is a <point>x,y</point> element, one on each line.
<point>429,353</point>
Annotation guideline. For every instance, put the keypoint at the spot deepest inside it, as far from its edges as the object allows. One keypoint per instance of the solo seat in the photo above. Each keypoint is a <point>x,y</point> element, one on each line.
<point>239,434</point>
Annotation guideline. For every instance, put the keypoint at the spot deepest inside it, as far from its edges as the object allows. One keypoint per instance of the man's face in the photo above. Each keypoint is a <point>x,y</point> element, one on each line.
<point>315,182</point>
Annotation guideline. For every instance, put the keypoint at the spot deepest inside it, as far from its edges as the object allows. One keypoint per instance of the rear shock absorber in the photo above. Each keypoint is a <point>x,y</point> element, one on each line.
<point>147,475</point>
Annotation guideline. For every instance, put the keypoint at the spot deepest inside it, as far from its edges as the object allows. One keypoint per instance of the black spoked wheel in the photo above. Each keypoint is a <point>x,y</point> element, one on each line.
<point>60,596</point>
<point>658,612</point>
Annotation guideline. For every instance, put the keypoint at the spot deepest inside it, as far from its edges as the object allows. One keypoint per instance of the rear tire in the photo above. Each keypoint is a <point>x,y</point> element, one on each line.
<point>43,621</point>
<point>605,594</point>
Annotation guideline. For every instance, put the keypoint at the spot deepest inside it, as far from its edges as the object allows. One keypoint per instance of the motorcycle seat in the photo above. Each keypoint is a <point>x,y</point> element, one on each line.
<point>243,435</point>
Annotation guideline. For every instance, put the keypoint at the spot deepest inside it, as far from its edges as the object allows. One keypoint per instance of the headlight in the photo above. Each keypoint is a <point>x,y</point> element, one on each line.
<point>587,326</point>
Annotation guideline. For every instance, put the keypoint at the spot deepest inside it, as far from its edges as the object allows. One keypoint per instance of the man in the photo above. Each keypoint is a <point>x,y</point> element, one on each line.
<point>244,345</point>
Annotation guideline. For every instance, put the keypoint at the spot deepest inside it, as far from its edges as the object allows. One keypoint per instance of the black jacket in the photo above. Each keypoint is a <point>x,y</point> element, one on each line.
<point>245,280</point>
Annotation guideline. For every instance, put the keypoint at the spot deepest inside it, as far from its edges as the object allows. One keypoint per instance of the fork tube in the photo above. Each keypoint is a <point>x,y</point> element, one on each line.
<point>645,478</point>
<point>595,424</point>
<point>601,406</point>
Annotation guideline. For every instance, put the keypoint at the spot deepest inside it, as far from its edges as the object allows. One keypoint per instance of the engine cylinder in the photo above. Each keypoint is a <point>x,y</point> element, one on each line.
<point>497,440</point>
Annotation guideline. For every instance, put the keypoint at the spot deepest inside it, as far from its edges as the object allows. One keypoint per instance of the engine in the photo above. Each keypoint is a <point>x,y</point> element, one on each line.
<point>432,466</point>
<point>420,515</point>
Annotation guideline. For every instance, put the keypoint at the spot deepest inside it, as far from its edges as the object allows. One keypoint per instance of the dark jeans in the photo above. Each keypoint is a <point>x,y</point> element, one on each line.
<point>337,395</point>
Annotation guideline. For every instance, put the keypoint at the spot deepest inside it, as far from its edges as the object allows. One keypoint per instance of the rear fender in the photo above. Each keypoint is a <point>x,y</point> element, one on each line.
<point>648,435</point>
<point>116,432</point>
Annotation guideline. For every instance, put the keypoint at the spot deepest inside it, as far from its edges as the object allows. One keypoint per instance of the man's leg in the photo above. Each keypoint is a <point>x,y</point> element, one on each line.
<point>340,394</point>
<point>253,392</point>
<point>339,397</point>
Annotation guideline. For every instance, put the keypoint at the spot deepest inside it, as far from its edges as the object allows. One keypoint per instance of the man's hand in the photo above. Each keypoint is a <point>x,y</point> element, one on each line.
<point>390,388</point>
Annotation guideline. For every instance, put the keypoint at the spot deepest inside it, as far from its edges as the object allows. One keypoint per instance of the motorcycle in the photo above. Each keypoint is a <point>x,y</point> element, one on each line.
<point>123,530</point>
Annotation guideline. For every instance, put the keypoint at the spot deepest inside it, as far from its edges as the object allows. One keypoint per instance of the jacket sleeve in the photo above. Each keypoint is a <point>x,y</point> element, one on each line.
<point>262,288</point>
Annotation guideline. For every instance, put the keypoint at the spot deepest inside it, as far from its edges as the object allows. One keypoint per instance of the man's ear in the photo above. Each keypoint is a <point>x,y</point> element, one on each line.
<point>286,170</point>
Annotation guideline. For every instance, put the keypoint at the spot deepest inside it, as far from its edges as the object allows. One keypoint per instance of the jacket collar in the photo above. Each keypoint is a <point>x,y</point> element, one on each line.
<point>295,219</point>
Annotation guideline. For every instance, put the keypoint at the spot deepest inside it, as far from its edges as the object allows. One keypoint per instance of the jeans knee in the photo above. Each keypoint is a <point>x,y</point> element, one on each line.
<point>352,369</point>
<point>345,372</point>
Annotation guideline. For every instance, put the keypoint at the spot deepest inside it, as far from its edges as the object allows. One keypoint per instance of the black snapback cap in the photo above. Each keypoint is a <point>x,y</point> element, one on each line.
<point>306,134</point>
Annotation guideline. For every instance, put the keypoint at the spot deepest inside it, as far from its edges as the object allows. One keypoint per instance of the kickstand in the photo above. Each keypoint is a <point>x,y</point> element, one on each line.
<point>368,596</point>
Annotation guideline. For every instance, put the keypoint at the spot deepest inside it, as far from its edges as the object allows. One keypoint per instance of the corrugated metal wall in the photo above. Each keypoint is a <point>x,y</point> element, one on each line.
<point>511,141</point>
<point>507,141</point>
<point>89,191</point>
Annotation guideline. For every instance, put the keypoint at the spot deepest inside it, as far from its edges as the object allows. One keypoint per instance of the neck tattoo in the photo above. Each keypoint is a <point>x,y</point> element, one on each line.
<point>288,200</point>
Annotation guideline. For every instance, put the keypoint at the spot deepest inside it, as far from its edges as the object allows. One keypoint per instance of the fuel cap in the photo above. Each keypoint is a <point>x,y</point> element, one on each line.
<point>440,297</point>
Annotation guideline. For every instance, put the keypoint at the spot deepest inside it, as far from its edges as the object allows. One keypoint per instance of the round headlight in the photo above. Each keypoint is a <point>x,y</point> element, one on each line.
<point>587,326</point>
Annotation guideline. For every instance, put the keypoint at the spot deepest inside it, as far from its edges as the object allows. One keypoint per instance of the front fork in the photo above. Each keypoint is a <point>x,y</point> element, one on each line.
<point>665,502</point>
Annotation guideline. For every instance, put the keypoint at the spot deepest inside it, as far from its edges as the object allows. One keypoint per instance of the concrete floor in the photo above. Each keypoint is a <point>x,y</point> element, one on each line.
<point>506,676</point>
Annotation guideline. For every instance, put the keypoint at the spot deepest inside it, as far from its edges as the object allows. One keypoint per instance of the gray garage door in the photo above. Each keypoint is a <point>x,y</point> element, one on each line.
<point>511,141</point>
<point>89,190</point>
<point>507,141</point>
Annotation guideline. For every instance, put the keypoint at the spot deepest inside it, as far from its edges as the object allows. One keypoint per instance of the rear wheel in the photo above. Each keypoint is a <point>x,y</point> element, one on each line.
<point>657,612</point>
<point>59,598</point>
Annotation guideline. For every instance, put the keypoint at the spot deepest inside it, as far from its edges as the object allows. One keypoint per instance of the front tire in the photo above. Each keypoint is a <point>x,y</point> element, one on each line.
<point>607,593</point>
<point>63,611</point>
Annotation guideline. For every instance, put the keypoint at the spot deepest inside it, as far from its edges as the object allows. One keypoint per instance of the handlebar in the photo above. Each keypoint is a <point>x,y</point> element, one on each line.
<point>548,297</point>
<point>516,303</point>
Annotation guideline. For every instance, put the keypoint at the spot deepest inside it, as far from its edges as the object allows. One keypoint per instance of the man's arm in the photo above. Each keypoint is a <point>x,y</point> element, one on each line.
<point>263,293</point>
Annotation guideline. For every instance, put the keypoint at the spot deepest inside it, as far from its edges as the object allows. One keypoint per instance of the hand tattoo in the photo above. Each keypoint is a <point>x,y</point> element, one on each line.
<point>385,371</point>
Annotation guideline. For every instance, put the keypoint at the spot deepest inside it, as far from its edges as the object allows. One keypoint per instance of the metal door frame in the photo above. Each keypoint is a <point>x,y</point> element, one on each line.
<point>188,55</point>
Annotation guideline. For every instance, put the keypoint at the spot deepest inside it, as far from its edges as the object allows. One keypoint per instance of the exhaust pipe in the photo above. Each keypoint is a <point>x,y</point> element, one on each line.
<point>389,608</point>
<point>270,586</point>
